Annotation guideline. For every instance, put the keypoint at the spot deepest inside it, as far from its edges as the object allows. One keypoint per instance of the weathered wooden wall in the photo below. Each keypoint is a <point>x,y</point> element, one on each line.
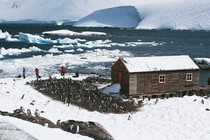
<point>148,83</point>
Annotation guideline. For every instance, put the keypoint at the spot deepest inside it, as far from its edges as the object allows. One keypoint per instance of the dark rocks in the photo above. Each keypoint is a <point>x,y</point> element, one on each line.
<point>91,129</point>
<point>19,114</point>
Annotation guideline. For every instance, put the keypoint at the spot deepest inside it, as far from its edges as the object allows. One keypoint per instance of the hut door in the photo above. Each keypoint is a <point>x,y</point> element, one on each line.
<point>119,77</point>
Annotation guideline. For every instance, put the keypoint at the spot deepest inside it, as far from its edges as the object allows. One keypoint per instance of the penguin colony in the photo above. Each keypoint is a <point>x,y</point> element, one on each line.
<point>83,94</point>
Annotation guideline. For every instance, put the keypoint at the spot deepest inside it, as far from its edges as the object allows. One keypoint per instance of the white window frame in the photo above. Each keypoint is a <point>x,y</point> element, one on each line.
<point>189,77</point>
<point>162,78</point>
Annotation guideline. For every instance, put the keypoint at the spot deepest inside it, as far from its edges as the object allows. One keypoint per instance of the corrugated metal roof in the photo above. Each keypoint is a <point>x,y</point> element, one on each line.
<point>159,63</point>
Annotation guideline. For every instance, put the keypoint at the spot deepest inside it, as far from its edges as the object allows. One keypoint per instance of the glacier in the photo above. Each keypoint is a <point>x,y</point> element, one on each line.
<point>121,17</point>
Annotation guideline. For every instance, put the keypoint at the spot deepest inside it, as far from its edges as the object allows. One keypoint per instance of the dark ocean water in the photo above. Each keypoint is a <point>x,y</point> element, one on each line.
<point>154,42</point>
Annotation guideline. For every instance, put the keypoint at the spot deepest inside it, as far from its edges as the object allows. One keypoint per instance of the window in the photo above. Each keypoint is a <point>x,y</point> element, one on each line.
<point>162,78</point>
<point>189,77</point>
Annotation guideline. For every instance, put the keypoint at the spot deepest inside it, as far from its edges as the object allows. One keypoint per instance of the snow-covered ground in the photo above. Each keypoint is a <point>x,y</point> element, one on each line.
<point>144,14</point>
<point>170,119</point>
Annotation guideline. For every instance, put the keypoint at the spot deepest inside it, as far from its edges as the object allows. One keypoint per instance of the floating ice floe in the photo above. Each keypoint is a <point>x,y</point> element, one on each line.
<point>3,35</point>
<point>80,50</point>
<point>89,33</point>
<point>26,37</point>
<point>66,41</point>
<point>10,39</point>
<point>99,43</point>
<point>14,51</point>
<point>134,44</point>
<point>63,46</point>
<point>54,50</point>
<point>72,33</point>
<point>69,51</point>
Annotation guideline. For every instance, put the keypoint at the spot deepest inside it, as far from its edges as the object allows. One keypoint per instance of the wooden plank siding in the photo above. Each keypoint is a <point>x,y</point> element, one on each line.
<point>148,83</point>
<point>133,84</point>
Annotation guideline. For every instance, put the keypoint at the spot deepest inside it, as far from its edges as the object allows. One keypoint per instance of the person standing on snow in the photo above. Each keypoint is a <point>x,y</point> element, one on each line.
<point>37,73</point>
<point>24,73</point>
<point>63,70</point>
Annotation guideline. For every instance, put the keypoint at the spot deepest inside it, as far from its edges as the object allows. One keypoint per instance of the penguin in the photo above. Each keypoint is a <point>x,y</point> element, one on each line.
<point>36,114</point>
<point>58,123</point>
<point>28,112</point>
<point>74,128</point>
<point>22,110</point>
<point>22,96</point>
<point>129,117</point>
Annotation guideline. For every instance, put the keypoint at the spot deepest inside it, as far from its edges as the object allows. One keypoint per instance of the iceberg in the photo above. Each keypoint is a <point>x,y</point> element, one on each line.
<point>26,37</point>
<point>121,17</point>
<point>4,35</point>
<point>10,39</point>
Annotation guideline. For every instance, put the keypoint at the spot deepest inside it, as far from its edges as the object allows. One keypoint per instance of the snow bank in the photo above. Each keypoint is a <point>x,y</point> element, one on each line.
<point>122,17</point>
<point>114,88</point>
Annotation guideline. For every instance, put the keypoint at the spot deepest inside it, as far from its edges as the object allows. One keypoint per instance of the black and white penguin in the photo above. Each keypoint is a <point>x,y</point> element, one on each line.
<point>36,114</point>
<point>28,112</point>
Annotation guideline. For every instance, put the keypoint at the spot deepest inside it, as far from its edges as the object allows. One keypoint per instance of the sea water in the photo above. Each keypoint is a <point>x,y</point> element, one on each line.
<point>94,54</point>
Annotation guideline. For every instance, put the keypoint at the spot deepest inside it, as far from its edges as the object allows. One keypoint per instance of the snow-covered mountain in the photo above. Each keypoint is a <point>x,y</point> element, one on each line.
<point>162,14</point>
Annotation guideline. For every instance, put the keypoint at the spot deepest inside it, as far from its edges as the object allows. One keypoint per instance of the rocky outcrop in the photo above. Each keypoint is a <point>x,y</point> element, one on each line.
<point>90,129</point>
<point>39,120</point>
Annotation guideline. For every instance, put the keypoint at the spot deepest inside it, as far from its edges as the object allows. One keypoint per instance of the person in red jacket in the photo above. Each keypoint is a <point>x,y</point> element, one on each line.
<point>63,70</point>
<point>37,73</point>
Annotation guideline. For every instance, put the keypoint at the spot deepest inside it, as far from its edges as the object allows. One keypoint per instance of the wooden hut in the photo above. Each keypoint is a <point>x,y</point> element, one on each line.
<point>155,75</point>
